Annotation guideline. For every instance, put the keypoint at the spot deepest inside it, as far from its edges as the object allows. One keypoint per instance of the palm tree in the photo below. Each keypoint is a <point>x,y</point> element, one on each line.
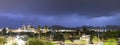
<point>39,27</point>
<point>45,28</point>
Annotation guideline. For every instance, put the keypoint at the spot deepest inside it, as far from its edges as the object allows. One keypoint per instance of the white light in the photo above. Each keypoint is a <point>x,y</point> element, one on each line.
<point>19,41</point>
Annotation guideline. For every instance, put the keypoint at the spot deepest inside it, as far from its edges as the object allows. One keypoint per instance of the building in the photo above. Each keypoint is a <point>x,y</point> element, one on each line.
<point>65,30</point>
<point>85,38</point>
<point>99,30</point>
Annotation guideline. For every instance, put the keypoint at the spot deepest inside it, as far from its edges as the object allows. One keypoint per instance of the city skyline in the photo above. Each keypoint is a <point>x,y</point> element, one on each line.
<point>69,13</point>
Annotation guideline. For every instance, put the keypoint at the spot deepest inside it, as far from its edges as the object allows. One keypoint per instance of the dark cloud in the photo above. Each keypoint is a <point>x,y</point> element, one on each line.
<point>90,8</point>
<point>59,12</point>
<point>69,21</point>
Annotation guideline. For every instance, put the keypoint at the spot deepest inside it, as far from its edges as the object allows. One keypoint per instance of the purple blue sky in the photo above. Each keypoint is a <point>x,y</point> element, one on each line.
<point>71,13</point>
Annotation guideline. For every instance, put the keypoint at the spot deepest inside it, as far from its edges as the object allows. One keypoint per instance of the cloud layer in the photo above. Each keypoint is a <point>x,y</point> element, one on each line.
<point>91,8</point>
<point>59,12</point>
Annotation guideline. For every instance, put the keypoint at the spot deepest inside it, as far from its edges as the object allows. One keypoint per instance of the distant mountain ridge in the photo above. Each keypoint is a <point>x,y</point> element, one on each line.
<point>108,27</point>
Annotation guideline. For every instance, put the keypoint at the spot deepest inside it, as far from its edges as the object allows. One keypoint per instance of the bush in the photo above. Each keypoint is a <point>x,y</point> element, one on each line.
<point>82,42</point>
<point>110,41</point>
<point>66,36</point>
<point>33,41</point>
<point>14,43</point>
<point>95,40</point>
<point>58,37</point>
<point>3,40</point>
<point>67,41</point>
<point>43,38</point>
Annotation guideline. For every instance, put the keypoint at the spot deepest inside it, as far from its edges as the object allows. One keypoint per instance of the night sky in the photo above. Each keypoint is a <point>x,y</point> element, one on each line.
<point>70,13</point>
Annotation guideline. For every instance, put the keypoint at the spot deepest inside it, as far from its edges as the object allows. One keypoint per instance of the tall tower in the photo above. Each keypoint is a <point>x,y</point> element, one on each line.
<point>28,27</point>
<point>24,27</point>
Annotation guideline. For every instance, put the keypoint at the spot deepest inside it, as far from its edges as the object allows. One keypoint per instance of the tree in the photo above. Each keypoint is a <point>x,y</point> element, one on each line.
<point>111,41</point>
<point>4,31</point>
<point>50,35</point>
<point>66,36</point>
<point>84,30</point>
<point>58,37</point>
<point>78,33</point>
<point>10,33</point>
<point>45,28</point>
<point>95,40</point>
<point>110,34</point>
<point>39,27</point>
